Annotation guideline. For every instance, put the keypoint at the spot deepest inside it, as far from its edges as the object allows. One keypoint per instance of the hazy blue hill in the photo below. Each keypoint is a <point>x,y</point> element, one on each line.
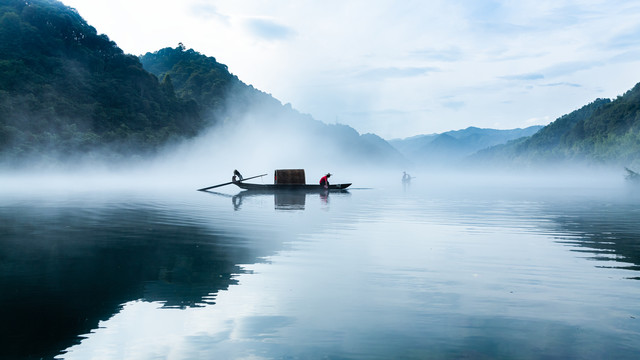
<point>605,132</point>
<point>374,144</point>
<point>455,145</point>
<point>444,144</point>
<point>478,138</point>
<point>409,145</point>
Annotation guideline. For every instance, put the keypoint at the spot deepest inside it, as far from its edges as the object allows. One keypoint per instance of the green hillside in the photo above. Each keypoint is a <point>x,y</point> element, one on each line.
<point>64,89</point>
<point>208,84</point>
<point>191,75</point>
<point>271,126</point>
<point>604,132</point>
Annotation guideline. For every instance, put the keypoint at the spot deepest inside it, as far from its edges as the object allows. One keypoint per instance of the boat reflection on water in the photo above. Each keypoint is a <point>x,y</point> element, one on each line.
<point>289,200</point>
<point>284,199</point>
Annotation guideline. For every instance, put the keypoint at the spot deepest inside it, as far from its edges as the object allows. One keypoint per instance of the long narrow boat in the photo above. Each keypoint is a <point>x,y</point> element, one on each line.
<point>290,187</point>
<point>289,180</point>
<point>284,179</point>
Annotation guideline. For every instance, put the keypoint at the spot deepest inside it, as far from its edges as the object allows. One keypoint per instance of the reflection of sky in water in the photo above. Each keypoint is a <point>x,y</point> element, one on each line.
<point>388,276</point>
<point>365,274</point>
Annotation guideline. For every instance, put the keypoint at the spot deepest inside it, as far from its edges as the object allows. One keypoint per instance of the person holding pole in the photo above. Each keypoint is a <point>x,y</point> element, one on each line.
<point>236,176</point>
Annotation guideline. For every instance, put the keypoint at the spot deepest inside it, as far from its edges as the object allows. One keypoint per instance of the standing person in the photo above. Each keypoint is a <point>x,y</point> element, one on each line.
<point>406,177</point>
<point>324,181</point>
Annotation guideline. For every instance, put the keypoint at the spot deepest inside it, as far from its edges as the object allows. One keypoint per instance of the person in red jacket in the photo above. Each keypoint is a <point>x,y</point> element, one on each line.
<point>324,181</point>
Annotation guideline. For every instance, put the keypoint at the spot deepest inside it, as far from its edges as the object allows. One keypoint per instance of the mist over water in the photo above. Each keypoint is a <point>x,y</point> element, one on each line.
<point>209,161</point>
<point>264,138</point>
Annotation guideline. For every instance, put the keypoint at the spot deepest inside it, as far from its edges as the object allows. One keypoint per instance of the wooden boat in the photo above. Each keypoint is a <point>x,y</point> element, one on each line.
<point>290,187</point>
<point>285,180</point>
<point>289,180</point>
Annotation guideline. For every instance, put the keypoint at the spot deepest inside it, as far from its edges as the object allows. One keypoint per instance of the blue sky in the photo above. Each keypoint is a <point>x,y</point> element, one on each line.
<point>405,68</point>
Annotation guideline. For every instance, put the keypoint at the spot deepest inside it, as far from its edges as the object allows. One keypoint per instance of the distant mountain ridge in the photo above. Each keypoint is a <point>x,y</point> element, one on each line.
<point>453,146</point>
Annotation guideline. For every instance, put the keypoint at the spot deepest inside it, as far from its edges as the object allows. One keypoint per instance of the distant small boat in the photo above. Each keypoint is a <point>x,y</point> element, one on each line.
<point>632,176</point>
<point>289,180</point>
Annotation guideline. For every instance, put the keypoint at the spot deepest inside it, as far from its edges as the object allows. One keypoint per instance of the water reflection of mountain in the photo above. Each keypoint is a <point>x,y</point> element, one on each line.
<point>608,232</point>
<point>62,273</point>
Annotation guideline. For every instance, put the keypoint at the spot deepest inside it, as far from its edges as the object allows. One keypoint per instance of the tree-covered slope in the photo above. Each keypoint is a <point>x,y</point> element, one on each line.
<point>603,132</point>
<point>66,89</point>
<point>263,121</point>
<point>200,79</point>
<point>191,75</point>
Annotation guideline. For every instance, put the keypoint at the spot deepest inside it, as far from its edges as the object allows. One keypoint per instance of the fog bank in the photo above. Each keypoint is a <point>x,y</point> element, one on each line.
<point>259,140</point>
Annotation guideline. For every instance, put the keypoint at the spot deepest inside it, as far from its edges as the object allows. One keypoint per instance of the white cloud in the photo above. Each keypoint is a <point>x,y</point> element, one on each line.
<point>268,29</point>
<point>531,76</point>
<point>394,72</point>
<point>208,11</point>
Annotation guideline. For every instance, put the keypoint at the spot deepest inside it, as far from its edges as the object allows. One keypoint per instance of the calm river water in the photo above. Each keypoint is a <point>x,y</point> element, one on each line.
<point>386,273</point>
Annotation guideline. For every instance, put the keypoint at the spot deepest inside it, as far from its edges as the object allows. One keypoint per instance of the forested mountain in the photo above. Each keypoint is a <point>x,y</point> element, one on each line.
<point>279,129</point>
<point>64,89</point>
<point>455,145</point>
<point>604,132</point>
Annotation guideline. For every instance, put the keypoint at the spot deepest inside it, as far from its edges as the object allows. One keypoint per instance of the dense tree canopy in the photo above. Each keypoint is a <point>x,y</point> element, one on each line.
<point>64,88</point>
<point>196,76</point>
<point>209,84</point>
<point>602,132</point>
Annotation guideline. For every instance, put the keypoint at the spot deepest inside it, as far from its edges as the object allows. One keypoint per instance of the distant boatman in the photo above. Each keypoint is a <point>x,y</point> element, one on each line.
<point>324,181</point>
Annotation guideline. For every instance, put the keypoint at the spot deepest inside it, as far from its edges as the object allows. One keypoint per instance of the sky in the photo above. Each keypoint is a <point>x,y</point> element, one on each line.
<point>400,68</point>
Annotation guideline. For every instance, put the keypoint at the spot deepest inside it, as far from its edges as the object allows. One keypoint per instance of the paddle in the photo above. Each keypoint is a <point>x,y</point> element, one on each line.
<point>231,182</point>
